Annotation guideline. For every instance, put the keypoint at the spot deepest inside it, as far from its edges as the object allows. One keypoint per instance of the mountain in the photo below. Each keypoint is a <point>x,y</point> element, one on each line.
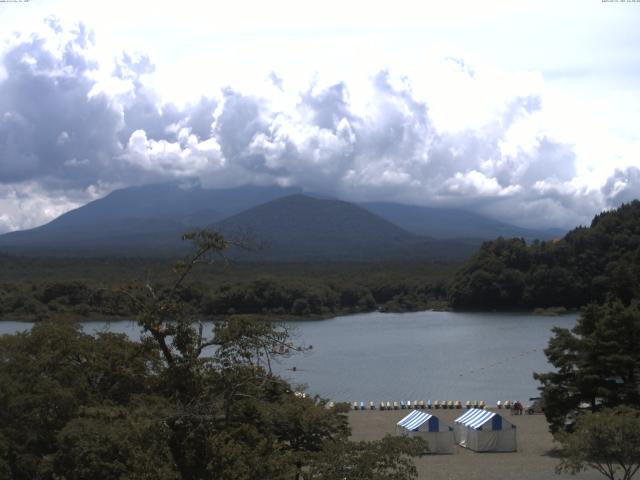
<point>300,227</point>
<point>132,236</point>
<point>453,223</point>
<point>170,202</point>
<point>148,219</point>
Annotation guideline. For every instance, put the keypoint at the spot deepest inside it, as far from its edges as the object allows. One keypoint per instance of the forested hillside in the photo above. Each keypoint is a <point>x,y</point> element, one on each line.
<point>589,264</point>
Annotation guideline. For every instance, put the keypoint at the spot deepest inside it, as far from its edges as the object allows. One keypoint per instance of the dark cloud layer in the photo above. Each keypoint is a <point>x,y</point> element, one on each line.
<point>49,126</point>
<point>64,134</point>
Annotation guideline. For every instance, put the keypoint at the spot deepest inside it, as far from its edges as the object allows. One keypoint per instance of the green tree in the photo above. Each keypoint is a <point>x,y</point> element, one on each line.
<point>387,459</point>
<point>597,363</point>
<point>590,264</point>
<point>233,417</point>
<point>5,468</point>
<point>50,373</point>
<point>607,441</point>
<point>179,404</point>
<point>112,442</point>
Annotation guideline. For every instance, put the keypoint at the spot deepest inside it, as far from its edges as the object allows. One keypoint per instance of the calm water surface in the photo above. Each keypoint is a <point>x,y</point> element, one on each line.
<point>436,355</point>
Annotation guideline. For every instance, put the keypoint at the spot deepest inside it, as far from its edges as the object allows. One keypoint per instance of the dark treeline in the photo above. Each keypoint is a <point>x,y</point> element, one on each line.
<point>590,264</point>
<point>37,288</point>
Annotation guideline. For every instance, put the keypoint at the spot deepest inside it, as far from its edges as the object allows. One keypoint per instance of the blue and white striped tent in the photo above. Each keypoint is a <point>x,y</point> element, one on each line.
<point>438,435</point>
<point>485,431</point>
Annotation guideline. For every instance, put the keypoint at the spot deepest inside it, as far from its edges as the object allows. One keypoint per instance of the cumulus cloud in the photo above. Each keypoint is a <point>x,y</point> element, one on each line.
<point>49,126</point>
<point>185,157</point>
<point>29,204</point>
<point>474,184</point>
<point>68,134</point>
<point>622,186</point>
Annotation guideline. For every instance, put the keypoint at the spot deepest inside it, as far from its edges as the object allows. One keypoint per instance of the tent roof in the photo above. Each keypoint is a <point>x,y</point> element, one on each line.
<point>475,418</point>
<point>414,420</point>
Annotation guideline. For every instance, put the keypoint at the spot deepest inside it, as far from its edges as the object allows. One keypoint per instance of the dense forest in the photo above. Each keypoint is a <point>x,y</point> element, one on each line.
<point>40,288</point>
<point>590,264</point>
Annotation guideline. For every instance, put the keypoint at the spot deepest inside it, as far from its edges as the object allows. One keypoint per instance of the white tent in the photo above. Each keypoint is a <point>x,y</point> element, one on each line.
<point>421,424</point>
<point>485,431</point>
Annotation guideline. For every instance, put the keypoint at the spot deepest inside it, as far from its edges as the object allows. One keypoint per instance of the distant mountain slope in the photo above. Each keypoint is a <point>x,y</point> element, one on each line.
<point>453,223</point>
<point>299,227</point>
<point>170,202</point>
<point>131,236</point>
<point>148,219</point>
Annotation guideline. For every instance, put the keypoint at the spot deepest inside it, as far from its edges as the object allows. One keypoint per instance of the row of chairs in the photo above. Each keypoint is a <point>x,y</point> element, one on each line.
<point>416,404</point>
<point>419,404</point>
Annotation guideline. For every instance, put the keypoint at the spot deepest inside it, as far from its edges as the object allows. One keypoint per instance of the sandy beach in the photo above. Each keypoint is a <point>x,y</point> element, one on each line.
<point>534,459</point>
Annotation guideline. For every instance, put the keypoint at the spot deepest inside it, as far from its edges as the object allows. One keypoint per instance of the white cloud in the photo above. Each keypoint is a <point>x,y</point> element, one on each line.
<point>473,183</point>
<point>28,205</point>
<point>347,111</point>
<point>186,157</point>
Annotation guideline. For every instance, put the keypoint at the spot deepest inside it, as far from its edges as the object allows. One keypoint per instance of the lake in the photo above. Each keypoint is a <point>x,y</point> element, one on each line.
<point>409,356</point>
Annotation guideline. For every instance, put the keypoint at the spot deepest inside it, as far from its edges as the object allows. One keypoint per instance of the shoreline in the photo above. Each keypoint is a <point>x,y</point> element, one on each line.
<point>97,317</point>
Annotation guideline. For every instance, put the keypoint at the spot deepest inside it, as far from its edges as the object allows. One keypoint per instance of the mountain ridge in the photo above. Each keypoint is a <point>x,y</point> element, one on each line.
<point>453,223</point>
<point>303,227</point>
<point>150,220</point>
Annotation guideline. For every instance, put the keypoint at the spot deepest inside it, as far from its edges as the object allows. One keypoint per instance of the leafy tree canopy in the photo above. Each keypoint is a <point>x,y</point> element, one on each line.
<point>177,405</point>
<point>607,441</point>
<point>590,264</point>
<point>597,363</point>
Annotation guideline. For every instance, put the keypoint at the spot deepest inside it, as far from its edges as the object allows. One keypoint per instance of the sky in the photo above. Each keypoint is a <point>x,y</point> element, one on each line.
<point>528,111</point>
